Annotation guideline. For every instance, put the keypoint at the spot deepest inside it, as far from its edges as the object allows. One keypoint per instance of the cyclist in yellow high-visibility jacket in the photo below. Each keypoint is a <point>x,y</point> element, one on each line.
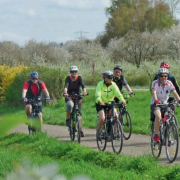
<point>106,90</point>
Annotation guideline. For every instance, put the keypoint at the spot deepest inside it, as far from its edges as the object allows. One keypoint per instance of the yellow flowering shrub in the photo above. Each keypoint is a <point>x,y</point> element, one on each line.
<point>8,75</point>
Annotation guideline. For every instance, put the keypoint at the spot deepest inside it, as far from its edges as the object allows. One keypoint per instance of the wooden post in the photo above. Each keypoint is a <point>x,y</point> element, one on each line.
<point>93,65</point>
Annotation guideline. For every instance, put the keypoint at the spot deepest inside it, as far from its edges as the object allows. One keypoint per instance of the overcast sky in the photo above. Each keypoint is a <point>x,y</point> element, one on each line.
<point>51,20</point>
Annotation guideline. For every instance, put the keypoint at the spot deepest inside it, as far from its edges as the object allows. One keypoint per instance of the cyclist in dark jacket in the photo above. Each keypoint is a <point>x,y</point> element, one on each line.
<point>32,90</point>
<point>120,80</point>
<point>73,84</point>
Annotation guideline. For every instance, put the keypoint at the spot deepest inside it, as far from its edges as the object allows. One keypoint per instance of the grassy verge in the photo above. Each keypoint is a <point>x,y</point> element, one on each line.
<point>72,159</point>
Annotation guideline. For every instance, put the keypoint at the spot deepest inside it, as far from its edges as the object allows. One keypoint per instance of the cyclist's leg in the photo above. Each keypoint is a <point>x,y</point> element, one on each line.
<point>100,111</point>
<point>157,113</point>
<point>28,109</point>
<point>40,115</point>
<point>69,108</point>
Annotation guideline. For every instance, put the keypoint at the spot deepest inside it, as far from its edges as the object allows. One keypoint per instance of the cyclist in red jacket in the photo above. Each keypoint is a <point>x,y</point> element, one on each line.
<point>32,90</point>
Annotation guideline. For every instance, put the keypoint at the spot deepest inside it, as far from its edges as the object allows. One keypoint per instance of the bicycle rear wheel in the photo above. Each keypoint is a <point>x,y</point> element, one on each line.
<point>127,125</point>
<point>78,127</point>
<point>172,142</point>
<point>116,136</point>
<point>102,141</point>
<point>155,147</point>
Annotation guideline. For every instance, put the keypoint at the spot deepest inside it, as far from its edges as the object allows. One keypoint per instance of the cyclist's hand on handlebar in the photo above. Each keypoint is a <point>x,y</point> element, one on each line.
<point>85,94</point>
<point>101,103</point>
<point>66,95</point>
<point>48,99</point>
<point>132,94</point>
<point>124,102</point>
<point>24,99</point>
<point>157,101</point>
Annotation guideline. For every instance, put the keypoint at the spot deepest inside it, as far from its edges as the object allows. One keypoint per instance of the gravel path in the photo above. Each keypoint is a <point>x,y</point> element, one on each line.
<point>137,145</point>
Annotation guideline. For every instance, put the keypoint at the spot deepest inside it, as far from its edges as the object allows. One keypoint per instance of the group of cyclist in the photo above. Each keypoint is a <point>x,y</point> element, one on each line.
<point>108,89</point>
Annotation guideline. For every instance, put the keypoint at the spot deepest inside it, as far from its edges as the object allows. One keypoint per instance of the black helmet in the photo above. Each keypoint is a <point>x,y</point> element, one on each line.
<point>118,67</point>
<point>108,74</point>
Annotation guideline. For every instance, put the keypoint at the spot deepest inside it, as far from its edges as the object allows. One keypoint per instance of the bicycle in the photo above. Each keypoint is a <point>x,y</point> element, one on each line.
<point>168,134</point>
<point>126,122</point>
<point>111,130</point>
<point>75,123</point>
<point>34,126</point>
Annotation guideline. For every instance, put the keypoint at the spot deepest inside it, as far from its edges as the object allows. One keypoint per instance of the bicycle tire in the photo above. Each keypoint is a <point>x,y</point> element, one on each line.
<point>127,125</point>
<point>78,127</point>
<point>174,118</point>
<point>155,147</point>
<point>101,143</point>
<point>172,142</point>
<point>116,136</point>
<point>72,130</point>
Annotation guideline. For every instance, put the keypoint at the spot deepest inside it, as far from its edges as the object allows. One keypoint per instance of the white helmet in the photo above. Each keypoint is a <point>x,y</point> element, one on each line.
<point>73,68</point>
<point>162,71</point>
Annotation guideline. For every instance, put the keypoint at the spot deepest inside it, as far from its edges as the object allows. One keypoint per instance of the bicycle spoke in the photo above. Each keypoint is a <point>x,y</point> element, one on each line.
<point>102,141</point>
<point>127,125</point>
<point>155,147</point>
<point>172,142</point>
<point>117,137</point>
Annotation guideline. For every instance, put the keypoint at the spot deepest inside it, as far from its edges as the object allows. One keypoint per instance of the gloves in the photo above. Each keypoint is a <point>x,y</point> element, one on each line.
<point>48,99</point>
<point>24,99</point>
<point>157,101</point>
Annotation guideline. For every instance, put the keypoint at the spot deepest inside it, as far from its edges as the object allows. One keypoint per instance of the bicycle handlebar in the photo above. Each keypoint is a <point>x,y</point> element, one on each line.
<point>75,95</point>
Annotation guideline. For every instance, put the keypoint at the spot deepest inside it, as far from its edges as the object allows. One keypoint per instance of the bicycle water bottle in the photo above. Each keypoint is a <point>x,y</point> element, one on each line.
<point>165,117</point>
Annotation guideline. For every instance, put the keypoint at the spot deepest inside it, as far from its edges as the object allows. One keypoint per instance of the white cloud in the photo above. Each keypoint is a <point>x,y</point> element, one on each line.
<point>31,12</point>
<point>13,37</point>
<point>106,3</point>
<point>80,4</point>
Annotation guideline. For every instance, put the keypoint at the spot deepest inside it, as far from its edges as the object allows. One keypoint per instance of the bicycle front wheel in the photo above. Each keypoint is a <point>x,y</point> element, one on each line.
<point>102,140</point>
<point>175,121</point>
<point>72,130</point>
<point>78,127</point>
<point>127,125</point>
<point>116,136</point>
<point>155,147</point>
<point>172,142</point>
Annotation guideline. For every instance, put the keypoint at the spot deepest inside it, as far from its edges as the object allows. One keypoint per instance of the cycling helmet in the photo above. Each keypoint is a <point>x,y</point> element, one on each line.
<point>34,74</point>
<point>162,71</point>
<point>164,65</point>
<point>73,68</point>
<point>108,74</point>
<point>118,67</point>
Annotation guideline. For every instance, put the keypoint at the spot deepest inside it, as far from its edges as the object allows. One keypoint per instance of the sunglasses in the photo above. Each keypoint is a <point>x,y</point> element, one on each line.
<point>164,76</point>
<point>110,77</point>
<point>73,71</point>
<point>34,78</point>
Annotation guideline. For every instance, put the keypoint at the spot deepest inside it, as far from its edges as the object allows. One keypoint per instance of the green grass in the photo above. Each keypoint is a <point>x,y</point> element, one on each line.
<point>72,159</point>
<point>138,107</point>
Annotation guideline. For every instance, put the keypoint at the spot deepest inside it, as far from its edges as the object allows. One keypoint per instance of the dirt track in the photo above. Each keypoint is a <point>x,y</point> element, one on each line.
<point>137,145</point>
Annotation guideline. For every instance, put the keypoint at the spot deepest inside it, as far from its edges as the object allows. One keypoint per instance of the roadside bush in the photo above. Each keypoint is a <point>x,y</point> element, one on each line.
<point>52,77</point>
<point>8,77</point>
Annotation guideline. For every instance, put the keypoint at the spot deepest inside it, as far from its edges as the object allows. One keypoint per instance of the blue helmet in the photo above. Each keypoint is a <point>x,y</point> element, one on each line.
<point>34,74</point>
